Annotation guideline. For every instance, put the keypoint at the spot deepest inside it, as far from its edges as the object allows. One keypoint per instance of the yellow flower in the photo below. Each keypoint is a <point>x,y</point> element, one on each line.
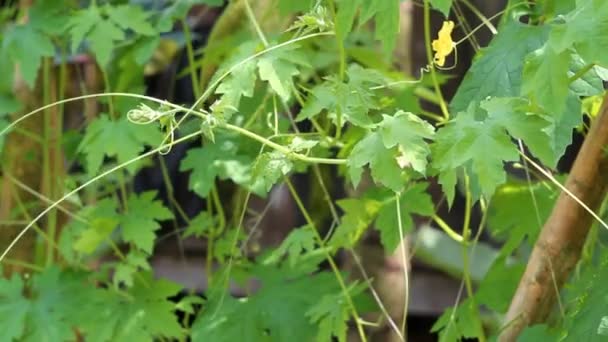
<point>443,45</point>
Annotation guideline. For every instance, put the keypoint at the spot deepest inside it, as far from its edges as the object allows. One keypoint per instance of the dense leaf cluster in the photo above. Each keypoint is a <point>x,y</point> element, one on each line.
<point>525,93</point>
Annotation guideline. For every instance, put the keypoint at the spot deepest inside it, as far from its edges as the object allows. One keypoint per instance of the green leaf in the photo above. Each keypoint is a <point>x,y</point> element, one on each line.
<point>119,139</point>
<point>521,121</point>
<point>102,39</point>
<point>102,220</point>
<point>222,159</point>
<point>55,297</point>
<point>131,17</point>
<point>178,10</point>
<point>143,51</point>
<point>353,98</point>
<point>331,313</point>
<point>552,8</point>
<point>518,210</point>
<point>187,303</point>
<point>9,104</point>
<point>290,6</point>
<point>59,303</point>
<point>415,200</point>
<point>583,28</point>
<point>498,286</point>
<point>276,312</point>
<point>270,168</point>
<point>345,16</point>
<point>81,23</point>
<point>225,247</point>
<point>538,332</point>
<point>482,146</point>
<point>14,308</point>
<point>141,220</point>
<point>386,18</point>
<point>443,6</point>
<point>49,16</point>
<point>497,72</point>
<point>200,225</point>
<point>454,324</point>
<point>382,162</point>
<point>240,82</point>
<point>586,322</point>
<point>321,97</point>
<point>143,313</point>
<point>436,249</point>
<point>298,242</point>
<point>409,132</point>
<point>26,46</point>
<point>358,215</point>
<point>603,327</point>
<point>105,30</point>
<point>563,125</point>
<point>545,78</point>
<point>590,84</point>
<point>278,67</point>
<point>125,270</point>
<point>299,144</point>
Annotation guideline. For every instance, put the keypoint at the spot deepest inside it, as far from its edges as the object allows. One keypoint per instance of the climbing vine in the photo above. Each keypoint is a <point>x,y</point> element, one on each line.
<point>273,98</point>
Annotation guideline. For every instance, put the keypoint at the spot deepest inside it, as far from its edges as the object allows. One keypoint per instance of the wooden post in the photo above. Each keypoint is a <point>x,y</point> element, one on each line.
<point>559,245</point>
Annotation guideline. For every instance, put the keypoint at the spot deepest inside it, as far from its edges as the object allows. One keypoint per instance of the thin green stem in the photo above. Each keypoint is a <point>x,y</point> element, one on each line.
<point>465,26</point>
<point>276,114</point>
<point>217,203</point>
<point>466,232</point>
<point>565,190</point>
<point>341,69</point>
<point>122,186</point>
<point>174,205</point>
<point>254,117</point>
<point>238,65</point>
<point>480,15</point>
<point>43,198</point>
<point>404,261</point>
<point>30,135</point>
<point>255,23</point>
<point>429,56</point>
<point>281,148</point>
<point>233,249</point>
<point>329,258</point>
<point>215,200</point>
<point>326,195</point>
<point>581,72</point>
<point>106,82</point>
<point>86,184</point>
<point>170,191</point>
<point>13,222</point>
<point>36,228</point>
<point>262,37</point>
<point>196,86</point>
<point>339,42</point>
<point>447,229</point>
<point>209,257</point>
<point>51,222</point>
<point>24,264</point>
<point>234,128</point>
<point>496,15</point>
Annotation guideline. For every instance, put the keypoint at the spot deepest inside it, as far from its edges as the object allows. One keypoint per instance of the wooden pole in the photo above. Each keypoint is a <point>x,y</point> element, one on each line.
<point>561,240</point>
